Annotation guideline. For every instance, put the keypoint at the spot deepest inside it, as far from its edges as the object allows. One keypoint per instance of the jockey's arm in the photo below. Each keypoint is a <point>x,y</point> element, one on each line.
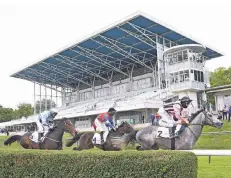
<point>108,122</point>
<point>112,123</point>
<point>177,111</point>
<point>178,115</point>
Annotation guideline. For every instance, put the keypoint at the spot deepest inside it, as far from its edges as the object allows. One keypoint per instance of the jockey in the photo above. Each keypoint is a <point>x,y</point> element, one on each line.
<point>172,115</point>
<point>103,122</point>
<point>45,122</point>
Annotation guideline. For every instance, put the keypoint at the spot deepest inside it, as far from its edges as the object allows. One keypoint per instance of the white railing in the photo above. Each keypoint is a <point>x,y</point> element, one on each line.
<point>210,153</point>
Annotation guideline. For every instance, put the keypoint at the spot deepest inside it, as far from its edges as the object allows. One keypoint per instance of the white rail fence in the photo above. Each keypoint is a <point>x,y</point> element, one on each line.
<point>210,153</point>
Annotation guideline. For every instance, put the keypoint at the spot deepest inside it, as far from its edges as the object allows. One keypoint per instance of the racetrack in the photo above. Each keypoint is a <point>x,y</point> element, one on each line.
<point>220,167</point>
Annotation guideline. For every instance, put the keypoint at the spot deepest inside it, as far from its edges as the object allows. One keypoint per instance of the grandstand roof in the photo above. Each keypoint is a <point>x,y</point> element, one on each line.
<point>132,41</point>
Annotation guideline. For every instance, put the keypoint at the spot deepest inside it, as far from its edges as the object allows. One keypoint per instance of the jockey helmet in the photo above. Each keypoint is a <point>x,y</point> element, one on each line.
<point>185,101</point>
<point>54,111</point>
<point>112,111</point>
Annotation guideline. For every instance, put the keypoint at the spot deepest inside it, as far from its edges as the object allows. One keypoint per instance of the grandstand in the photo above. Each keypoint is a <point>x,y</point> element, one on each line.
<point>133,65</point>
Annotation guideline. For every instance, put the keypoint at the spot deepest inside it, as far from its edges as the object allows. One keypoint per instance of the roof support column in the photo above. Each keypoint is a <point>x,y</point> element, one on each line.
<point>45,88</point>
<point>56,95</point>
<point>40,100</point>
<point>130,86</point>
<point>51,99</point>
<point>93,88</point>
<point>63,96</point>
<point>110,84</point>
<point>160,63</point>
<point>77,92</point>
<point>154,74</point>
<point>34,98</point>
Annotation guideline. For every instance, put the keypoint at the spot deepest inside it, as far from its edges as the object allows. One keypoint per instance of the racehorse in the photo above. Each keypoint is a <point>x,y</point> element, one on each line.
<point>115,140</point>
<point>52,140</point>
<point>150,139</point>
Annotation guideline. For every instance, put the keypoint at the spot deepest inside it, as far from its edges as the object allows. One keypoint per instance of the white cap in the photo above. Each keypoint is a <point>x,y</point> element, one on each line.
<point>54,110</point>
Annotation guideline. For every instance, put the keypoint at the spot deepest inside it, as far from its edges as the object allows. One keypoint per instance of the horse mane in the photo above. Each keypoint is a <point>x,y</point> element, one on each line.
<point>194,115</point>
<point>123,123</point>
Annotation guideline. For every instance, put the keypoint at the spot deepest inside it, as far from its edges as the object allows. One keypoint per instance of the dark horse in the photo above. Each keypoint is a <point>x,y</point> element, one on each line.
<point>115,140</point>
<point>52,141</point>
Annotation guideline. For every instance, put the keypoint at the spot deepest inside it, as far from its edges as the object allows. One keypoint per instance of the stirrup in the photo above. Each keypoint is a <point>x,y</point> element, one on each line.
<point>176,135</point>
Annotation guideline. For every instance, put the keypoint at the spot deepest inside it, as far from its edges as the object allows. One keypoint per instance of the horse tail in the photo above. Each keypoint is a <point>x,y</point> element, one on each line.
<point>74,139</point>
<point>12,139</point>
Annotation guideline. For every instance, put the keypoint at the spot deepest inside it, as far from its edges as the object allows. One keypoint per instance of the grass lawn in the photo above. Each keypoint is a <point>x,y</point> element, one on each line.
<point>220,167</point>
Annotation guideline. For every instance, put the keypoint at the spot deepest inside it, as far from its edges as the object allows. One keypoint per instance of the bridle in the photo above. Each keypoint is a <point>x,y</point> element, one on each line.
<point>69,130</point>
<point>202,125</point>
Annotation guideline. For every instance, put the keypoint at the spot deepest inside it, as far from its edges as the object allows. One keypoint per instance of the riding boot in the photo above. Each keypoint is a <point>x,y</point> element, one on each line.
<point>177,133</point>
<point>101,136</point>
<point>40,135</point>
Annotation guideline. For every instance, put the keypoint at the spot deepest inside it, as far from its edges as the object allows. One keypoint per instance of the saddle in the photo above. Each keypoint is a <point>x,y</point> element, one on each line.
<point>34,137</point>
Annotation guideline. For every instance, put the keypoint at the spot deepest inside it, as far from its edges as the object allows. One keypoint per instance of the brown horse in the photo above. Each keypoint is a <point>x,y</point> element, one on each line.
<point>52,141</point>
<point>115,140</point>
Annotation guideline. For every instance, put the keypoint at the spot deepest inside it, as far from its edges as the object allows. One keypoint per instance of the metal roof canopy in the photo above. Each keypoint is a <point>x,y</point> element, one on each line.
<point>115,50</point>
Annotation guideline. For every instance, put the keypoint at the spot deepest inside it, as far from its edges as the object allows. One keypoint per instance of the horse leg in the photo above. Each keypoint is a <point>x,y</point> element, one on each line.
<point>78,148</point>
<point>155,146</point>
<point>142,148</point>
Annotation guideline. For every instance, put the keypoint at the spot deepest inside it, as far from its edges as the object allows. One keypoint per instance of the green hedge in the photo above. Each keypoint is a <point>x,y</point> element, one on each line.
<point>124,164</point>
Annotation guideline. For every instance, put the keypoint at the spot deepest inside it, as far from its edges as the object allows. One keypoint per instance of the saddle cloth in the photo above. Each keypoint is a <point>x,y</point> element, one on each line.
<point>166,132</point>
<point>163,132</point>
<point>96,139</point>
<point>34,137</point>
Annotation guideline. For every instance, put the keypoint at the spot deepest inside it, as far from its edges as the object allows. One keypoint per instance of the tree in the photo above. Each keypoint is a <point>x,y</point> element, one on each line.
<point>43,105</point>
<point>24,110</point>
<point>1,106</point>
<point>221,76</point>
<point>6,114</point>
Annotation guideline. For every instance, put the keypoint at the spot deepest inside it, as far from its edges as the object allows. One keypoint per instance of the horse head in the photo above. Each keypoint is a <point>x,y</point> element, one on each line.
<point>67,126</point>
<point>125,127</point>
<point>203,117</point>
<point>211,121</point>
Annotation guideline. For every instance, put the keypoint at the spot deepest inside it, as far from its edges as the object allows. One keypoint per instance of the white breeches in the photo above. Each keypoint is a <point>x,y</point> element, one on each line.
<point>43,128</point>
<point>166,119</point>
<point>101,126</point>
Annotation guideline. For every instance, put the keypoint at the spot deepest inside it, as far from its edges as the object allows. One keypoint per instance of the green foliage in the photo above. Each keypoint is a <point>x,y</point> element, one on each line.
<point>43,105</point>
<point>6,114</point>
<point>24,110</point>
<point>98,164</point>
<point>221,76</point>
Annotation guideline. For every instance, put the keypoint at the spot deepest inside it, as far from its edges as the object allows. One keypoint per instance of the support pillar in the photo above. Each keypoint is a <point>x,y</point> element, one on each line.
<point>34,99</point>
<point>45,97</point>
<point>40,99</point>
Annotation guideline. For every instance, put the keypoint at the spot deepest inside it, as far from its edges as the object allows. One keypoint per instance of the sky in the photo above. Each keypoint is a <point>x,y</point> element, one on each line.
<point>33,30</point>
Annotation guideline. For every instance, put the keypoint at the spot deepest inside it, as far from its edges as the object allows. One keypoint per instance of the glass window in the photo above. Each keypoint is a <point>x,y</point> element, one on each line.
<point>195,75</point>
<point>181,76</point>
<point>176,77</point>
<point>174,58</point>
<point>202,77</point>
<point>180,56</point>
<point>186,75</point>
<point>185,55</point>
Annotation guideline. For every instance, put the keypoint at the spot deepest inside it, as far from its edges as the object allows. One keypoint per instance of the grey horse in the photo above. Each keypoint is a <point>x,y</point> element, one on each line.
<point>146,137</point>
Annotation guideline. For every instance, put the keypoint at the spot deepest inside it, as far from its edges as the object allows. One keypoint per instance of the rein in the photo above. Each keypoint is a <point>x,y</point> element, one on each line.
<point>51,139</point>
